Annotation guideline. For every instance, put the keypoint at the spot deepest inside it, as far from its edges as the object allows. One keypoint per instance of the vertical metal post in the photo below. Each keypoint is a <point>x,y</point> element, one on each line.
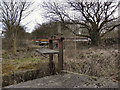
<point>51,64</point>
<point>59,28</point>
<point>60,55</point>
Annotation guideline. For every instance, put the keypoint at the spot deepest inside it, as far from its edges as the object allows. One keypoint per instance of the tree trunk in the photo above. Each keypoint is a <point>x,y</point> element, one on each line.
<point>95,38</point>
<point>14,46</point>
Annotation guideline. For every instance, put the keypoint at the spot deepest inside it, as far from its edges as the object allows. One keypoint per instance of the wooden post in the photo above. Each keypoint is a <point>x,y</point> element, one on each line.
<point>60,55</point>
<point>51,63</point>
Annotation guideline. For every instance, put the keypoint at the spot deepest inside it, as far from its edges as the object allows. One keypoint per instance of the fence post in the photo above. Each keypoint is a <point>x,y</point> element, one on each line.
<point>51,63</point>
<point>60,55</point>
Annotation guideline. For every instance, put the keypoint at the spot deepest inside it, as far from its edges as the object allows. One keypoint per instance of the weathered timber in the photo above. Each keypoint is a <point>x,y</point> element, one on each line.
<point>60,55</point>
<point>51,63</point>
<point>47,51</point>
<point>51,52</point>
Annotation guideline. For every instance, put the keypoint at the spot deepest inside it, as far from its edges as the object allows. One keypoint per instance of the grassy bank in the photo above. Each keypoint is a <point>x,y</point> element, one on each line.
<point>12,65</point>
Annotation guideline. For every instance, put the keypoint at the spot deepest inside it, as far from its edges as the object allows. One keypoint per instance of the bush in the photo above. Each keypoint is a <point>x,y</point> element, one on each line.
<point>110,40</point>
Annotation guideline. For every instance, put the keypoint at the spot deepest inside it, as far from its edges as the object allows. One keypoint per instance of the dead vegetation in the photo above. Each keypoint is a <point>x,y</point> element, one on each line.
<point>99,61</point>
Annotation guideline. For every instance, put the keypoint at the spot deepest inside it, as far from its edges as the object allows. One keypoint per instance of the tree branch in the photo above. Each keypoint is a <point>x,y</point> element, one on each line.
<point>111,29</point>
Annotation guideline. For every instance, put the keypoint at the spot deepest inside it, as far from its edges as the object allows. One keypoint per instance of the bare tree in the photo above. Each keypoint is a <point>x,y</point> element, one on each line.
<point>96,17</point>
<point>12,13</point>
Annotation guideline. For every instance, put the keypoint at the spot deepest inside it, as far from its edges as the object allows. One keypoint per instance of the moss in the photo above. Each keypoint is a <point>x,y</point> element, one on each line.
<point>7,68</point>
<point>11,65</point>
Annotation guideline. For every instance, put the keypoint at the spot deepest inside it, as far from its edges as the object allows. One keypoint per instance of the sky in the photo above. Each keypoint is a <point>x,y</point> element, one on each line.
<point>36,16</point>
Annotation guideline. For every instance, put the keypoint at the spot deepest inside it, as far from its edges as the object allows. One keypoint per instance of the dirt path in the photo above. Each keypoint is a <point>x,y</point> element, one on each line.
<point>70,80</point>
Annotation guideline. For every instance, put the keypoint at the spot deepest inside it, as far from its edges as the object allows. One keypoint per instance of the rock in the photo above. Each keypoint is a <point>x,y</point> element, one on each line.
<point>69,80</point>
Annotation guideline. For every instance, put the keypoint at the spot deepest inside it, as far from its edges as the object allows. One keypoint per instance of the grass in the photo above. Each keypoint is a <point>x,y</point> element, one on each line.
<point>11,65</point>
<point>93,61</point>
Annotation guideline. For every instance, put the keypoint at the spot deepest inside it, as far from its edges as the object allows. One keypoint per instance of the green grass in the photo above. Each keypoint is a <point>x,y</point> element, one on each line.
<point>11,65</point>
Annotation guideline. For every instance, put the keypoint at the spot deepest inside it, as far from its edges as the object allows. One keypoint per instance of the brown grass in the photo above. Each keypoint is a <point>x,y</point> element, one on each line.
<point>78,57</point>
<point>95,61</point>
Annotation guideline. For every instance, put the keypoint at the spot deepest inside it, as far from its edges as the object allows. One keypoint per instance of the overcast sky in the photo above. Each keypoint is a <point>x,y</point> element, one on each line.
<point>36,16</point>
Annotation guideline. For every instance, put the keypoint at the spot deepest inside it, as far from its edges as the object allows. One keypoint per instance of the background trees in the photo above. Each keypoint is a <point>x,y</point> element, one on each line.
<point>12,13</point>
<point>45,30</point>
<point>49,29</point>
<point>95,17</point>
